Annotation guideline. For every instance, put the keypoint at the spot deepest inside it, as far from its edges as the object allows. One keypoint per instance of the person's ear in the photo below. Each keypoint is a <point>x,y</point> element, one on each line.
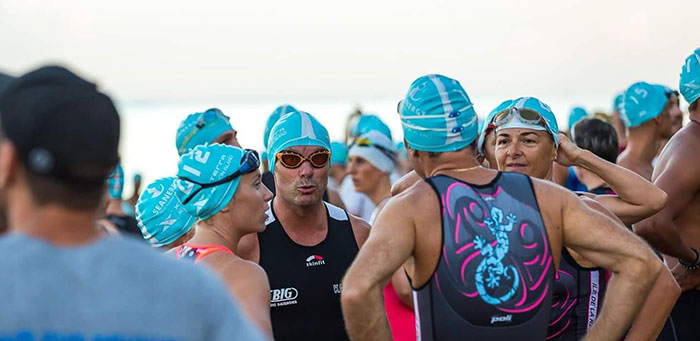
<point>9,161</point>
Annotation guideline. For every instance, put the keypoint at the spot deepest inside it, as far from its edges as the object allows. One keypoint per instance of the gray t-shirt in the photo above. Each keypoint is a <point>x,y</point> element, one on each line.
<point>113,289</point>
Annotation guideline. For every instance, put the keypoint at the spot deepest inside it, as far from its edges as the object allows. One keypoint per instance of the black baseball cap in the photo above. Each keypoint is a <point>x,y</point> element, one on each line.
<point>61,125</point>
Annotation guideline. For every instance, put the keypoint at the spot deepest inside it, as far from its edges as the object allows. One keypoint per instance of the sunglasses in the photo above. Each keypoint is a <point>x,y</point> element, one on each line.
<point>365,142</point>
<point>249,163</point>
<point>292,160</point>
<point>525,115</point>
<point>208,118</point>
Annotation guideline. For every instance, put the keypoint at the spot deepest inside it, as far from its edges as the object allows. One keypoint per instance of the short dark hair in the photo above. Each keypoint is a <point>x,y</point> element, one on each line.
<point>693,106</point>
<point>49,190</point>
<point>597,136</point>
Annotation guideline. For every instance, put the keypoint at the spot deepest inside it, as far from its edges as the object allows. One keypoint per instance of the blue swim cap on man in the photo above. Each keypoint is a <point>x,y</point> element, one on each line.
<point>206,164</point>
<point>339,153</point>
<point>689,84</point>
<point>272,119</point>
<point>617,102</point>
<point>296,129</point>
<point>483,128</point>
<point>437,115</point>
<point>642,102</point>
<point>160,215</point>
<point>575,115</point>
<point>367,123</point>
<point>541,108</point>
<point>200,128</point>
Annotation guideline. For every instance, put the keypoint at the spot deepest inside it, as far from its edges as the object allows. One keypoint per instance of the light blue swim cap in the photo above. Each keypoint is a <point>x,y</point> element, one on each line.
<point>272,119</point>
<point>401,150</point>
<point>690,77</point>
<point>296,129</point>
<point>489,118</point>
<point>115,182</point>
<point>642,102</point>
<point>540,107</point>
<point>576,114</point>
<point>263,155</point>
<point>437,115</point>
<point>200,128</point>
<point>339,153</point>
<point>617,102</point>
<point>160,215</point>
<point>206,164</point>
<point>367,123</point>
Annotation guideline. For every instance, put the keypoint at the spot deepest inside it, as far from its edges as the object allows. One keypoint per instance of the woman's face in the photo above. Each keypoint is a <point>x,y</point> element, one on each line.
<point>525,151</point>
<point>247,208</point>
<point>364,175</point>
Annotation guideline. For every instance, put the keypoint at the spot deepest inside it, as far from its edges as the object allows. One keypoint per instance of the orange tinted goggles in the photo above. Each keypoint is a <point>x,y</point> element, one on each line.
<point>293,160</point>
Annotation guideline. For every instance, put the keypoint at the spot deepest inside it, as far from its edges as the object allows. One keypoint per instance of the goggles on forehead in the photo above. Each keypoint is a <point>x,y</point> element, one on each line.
<point>292,160</point>
<point>365,142</point>
<point>527,116</point>
<point>208,118</point>
<point>249,163</point>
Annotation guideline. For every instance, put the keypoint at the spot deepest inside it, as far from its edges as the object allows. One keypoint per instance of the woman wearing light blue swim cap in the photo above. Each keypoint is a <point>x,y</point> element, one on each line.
<point>221,185</point>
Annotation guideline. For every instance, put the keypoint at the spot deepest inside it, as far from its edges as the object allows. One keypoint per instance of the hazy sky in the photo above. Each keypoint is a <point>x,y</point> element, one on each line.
<point>354,50</point>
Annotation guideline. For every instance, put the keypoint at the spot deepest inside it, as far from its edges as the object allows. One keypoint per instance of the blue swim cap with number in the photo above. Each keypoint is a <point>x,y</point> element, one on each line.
<point>437,115</point>
<point>206,164</point>
<point>200,128</point>
<point>160,215</point>
<point>642,102</point>
<point>689,84</point>
<point>296,129</point>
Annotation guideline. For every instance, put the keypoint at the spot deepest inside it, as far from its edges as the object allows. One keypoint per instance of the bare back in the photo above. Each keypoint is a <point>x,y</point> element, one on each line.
<point>678,174</point>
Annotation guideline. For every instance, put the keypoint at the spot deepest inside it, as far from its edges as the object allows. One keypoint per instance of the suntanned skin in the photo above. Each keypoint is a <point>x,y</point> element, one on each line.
<point>299,207</point>
<point>674,229</point>
<point>636,199</point>
<point>377,186</point>
<point>643,141</point>
<point>409,231</point>
<point>246,281</point>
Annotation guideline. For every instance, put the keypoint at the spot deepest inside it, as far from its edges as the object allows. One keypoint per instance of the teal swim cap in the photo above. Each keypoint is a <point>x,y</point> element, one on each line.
<point>115,182</point>
<point>367,123</point>
<point>206,164</point>
<point>200,128</point>
<point>576,114</point>
<point>541,108</point>
<point>339,153</point>
<point>642,102</point>
<point>483,127</point>
<point>437,115</point>
<point>279,112</point>
<point>689,84</point>
<point>401,150</point>
<point>617,102</point>
<point>296,129</point>
<point>159,214</point>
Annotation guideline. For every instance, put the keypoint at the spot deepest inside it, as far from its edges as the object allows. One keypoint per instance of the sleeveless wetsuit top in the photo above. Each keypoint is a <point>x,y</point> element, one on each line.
<point>305,281</point>
<point>494,276</point>
<point>196,253</point>
<point>577,299</point>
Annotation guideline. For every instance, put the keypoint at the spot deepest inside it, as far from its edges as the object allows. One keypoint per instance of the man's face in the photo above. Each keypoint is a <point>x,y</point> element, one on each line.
<point>304,185</point>
<point>228,138</point>
<point>525,151</point>
<point>674,110</point>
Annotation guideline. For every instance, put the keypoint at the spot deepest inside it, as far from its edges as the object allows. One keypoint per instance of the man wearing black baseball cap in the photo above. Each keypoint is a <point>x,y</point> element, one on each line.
<point>59,142</point>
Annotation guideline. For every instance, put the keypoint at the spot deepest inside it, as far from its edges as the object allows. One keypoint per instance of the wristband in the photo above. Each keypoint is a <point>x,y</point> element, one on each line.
<point>691,266</point>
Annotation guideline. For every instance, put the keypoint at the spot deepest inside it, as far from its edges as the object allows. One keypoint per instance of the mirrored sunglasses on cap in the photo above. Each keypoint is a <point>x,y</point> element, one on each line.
<point>525,115</point>
<point>292,160</point>
<point>365,142</point>
<point>249,163</point>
